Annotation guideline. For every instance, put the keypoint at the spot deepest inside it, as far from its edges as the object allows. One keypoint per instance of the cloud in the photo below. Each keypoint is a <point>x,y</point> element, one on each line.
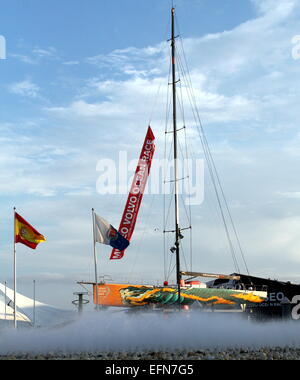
<point>139,60</point>
<point>283,8</point>
<point>36,55</point>
<point>35,163</point>
<point>25,88</point>
<point>42,53</point>
<point>290,194</point>
<point>238,75</point>
<point>86,110</point>
<point>24,58</point>
<point>71,63</point>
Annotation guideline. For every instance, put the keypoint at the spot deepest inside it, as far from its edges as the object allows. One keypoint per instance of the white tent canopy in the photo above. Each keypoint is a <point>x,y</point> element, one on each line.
<point>44,315</point>
<point>7,313</point>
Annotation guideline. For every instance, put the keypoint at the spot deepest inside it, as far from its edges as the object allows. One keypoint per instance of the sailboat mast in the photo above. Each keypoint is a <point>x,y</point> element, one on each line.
<point>177,229</point>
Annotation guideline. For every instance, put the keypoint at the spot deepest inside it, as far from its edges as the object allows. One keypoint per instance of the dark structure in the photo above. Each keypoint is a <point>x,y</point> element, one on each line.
<point>281,295</point>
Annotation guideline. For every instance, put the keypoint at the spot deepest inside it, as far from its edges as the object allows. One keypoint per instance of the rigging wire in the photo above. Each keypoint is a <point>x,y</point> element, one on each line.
<point>212,167</point>
<point>185,157</point>
<point>189,217</point>
<point>190,209</point>
<point>218,189</point>
<point>168,110</point>
<point>208,158</point>
<point>167,212</point>
<point>154,106</point>
<point>183,254</point>
<point>141,239</point>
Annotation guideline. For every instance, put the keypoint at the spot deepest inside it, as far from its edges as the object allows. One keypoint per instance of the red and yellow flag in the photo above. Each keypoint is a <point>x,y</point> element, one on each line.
<point>26,234</point>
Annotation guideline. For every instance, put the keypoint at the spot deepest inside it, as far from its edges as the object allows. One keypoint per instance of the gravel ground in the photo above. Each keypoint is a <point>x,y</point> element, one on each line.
<point>230,354</point>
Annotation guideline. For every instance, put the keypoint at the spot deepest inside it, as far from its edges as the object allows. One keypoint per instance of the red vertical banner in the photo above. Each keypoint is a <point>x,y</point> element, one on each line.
<point>136,192</point>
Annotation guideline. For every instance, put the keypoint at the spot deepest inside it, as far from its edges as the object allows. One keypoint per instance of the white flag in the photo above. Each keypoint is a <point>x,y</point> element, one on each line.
<point>105,233</point>
<point>102,230</point>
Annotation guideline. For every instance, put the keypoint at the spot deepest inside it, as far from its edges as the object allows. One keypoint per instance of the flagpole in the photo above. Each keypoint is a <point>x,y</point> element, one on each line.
<point>34,303</point>
<point>5,300</point>
<point>95,261</point>
<point>15,273</point>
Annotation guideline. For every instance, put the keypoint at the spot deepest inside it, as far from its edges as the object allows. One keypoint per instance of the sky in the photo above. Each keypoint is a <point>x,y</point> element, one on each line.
<point>79,84</point>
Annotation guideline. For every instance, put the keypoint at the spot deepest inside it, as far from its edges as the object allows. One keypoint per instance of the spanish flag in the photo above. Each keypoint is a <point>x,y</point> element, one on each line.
<point>26,234</point>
